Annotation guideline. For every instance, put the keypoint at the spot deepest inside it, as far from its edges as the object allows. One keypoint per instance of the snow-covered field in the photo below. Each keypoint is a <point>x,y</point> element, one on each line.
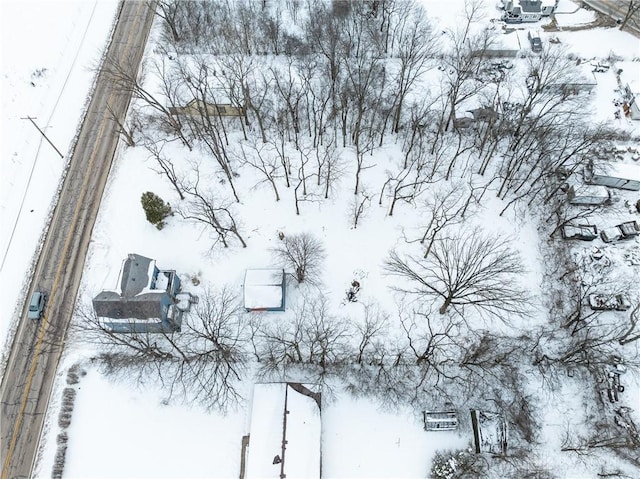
<point>125,429</point>
<point>49,51</point>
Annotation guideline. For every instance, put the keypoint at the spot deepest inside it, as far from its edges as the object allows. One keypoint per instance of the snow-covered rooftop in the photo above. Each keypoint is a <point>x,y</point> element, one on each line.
<point>507,41</point>
<point>284,423</point>
<point>620,170</point>
<point>263,289</point>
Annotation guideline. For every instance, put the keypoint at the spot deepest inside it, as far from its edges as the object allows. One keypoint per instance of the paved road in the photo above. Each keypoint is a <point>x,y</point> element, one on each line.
<point>617,10</point>
<point>37,346</point>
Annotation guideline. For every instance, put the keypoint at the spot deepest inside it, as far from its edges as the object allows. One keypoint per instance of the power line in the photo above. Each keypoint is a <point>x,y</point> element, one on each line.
<point>42,133</point>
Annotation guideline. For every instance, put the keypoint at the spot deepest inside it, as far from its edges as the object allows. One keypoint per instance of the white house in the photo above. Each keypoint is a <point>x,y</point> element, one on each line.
<point>516,11</point>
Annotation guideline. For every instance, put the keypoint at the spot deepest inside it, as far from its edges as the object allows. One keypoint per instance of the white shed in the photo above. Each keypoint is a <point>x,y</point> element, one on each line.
<point>581,194</point>
<point>264,290</point>
<point>625,176</point>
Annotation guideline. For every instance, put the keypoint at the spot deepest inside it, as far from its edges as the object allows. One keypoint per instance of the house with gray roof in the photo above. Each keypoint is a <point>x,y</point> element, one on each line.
<point>518,11</point>
<point>144,300</point>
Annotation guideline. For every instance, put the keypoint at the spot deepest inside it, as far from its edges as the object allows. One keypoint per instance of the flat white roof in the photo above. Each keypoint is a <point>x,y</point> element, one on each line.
<point>581,189</point>
<point>506,41</point>
<point>263,288</point>
<point>627,170</point>
<point>273,404</point>
<point>619,170</point>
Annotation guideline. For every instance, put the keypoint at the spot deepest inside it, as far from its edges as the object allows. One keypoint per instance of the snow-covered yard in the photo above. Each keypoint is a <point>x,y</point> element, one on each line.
<point>49,51</point>
<point>128,427</point>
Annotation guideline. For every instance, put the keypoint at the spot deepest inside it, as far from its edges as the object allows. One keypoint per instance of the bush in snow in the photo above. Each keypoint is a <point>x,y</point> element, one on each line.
<point>462,464</point>
<point>304,254</point>
<point>155,208</point>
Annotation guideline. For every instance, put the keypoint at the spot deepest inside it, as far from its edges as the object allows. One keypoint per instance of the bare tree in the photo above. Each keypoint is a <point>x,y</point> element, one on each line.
<point>205,207</point>
<point>127,133</point>
<point>303,189</point>
<point>370,334</point>
<point>359,206</point>
<point>166,166</point>
<point>632,333</point>
<point>168,10</point>
<point>330,166</point>
<point>313,339</point>
<point>632,15</point>
<point>445,209</point>
<point>207,124</point>
<point>128,80</point>
<point>461,63</point>
<point>415,47</point>
<point>433,342</point>
<point>417,171</point>
<point>304,254</point>
<point>261,158</point>
<point>466,270</point>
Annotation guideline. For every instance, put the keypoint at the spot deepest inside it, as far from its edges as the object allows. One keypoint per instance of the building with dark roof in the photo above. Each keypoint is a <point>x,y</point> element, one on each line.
<point>144,301</point>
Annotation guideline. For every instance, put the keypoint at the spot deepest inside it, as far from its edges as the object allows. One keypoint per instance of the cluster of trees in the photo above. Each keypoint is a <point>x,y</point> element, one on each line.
<point>351,76</point>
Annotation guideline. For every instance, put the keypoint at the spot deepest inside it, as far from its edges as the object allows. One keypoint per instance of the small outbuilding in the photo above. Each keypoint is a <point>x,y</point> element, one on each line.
<point>201,108</point>
<point>440,420</point>
<point>489,432</point>
<point>587,195</point>
<point>615,175</point>
<point>285,435</point>
<point>264,290</point>
<point>505,45</point>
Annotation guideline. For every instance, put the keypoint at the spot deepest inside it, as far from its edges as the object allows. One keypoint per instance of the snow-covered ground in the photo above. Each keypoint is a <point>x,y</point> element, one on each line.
<point>48,54</point>
<point>122,429</point>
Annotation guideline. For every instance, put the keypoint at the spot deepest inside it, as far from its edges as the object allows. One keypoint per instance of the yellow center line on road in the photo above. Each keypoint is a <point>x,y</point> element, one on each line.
<point>58,276</point>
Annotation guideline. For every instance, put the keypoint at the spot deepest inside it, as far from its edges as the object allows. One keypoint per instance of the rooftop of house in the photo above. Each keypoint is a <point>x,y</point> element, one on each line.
<point>109,304</point>
<point>531,6</point>
<point>285,422</point>
<point>135,275</point>
<point>139,295</point>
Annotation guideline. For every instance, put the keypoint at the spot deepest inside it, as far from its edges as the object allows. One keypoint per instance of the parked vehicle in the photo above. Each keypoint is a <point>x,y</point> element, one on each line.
<point>535,40</point>
<point>609,302</point>
<point>36,305</point>
<point>579,232</point>
<point>599,68</point>
<point>626,230</point>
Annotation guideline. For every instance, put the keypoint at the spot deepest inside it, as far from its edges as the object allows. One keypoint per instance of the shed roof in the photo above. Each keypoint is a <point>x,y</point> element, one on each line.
<point>285,422</point>
<point>489,431</point>
<point>263,288</point>
<point>582,189</point>
<point>618,170</point>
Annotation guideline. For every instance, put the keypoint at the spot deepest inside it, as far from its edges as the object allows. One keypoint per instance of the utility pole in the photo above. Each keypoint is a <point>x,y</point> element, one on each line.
<point>42,133</point>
